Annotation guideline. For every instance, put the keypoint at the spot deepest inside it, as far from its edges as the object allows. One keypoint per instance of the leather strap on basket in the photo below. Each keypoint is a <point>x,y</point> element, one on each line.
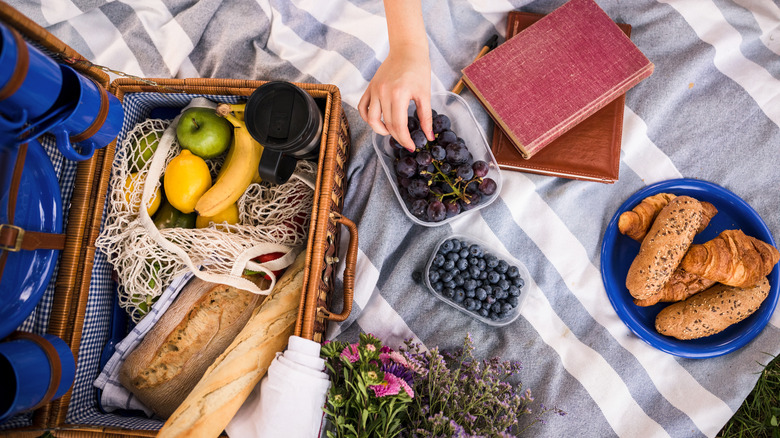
<point>99,119</point>
<point>14,238</point>
<point>20,70</point>
<point>54,362</point>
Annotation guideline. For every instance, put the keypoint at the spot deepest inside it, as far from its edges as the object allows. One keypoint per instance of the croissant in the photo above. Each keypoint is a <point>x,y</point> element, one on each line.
<point>732,258</point>
<point>636,222</point>
<point>681,285</point>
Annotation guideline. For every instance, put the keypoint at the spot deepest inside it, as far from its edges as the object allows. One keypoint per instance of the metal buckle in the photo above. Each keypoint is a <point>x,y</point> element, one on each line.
<point>19,237</point>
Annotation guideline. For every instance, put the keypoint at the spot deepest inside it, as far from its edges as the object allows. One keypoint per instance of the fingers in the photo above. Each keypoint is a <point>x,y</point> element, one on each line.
<point>424,114</point>
<point>399,125</point>
<point>371,111</point>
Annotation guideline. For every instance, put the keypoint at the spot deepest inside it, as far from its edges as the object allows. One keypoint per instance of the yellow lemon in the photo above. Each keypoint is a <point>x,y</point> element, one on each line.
<point>131,182</point>
<point>186,179</point>
<point>229,215</point>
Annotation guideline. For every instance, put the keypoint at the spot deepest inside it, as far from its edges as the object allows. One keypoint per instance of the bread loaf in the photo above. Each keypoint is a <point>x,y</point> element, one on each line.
<point>636,222</point>
<point>195,329</point>
<point>664,246</point>
<point>681,285</point>
<point>711,311</point>
<point>231,377</point>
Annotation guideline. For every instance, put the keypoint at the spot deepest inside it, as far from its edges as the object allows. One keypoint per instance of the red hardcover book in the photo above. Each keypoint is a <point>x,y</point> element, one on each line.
<point>554,74</point>
<point>589,151</point>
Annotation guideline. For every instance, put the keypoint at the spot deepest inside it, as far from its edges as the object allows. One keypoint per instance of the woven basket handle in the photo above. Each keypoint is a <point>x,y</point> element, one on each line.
<point>349,270</point>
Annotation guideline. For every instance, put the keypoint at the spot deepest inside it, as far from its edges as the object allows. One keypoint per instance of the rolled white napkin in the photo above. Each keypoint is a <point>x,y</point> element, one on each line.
<point>288,401</point>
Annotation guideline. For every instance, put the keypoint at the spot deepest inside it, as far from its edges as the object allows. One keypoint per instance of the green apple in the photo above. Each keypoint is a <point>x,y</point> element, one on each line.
<point>144,149</point>
<point>203,132</point>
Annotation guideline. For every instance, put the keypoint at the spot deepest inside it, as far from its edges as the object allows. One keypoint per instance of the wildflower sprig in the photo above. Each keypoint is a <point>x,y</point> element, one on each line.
<point>458,395</point>
<point>371,388</point>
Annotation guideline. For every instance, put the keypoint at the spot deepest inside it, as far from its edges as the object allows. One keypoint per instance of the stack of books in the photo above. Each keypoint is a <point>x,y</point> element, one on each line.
<point>556,91</point>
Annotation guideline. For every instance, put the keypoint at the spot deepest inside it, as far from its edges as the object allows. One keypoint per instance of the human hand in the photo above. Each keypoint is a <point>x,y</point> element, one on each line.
<point>402,77</point>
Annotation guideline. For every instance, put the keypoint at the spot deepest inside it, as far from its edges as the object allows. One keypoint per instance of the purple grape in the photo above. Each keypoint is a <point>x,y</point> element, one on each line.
<point>473,201</point>
<point>418,188</point>
<point>412,123</point>
<point>445,167</point>
<point>480,168</point>
<point>452,207</point>
<point>436,211</point>
<point>487,186</point>
<point>438,153</point>
<point>424,158</point>
<point>464,172</point>
<point>406,166</point>
<point>394,143</point>
<point>446,137</point>
<point>418,207</point>
<point>419,139</point>
<point>457,153</point>
<point>440,123</point>
<point>403,181</point>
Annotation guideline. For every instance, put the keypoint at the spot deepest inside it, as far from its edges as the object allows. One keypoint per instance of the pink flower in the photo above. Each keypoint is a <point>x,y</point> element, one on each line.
<point>407,388</point>
<point>351,353</point>
<point>391,386</point>
<point>370,347</point>
<point>394,356</point>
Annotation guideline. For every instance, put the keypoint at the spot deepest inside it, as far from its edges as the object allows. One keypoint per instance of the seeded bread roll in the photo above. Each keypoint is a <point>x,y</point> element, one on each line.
<point>711,311</point>
<point>664,246</point>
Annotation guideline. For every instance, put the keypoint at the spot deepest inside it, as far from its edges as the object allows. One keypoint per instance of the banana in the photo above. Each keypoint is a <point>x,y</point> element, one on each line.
<point>237,171</point>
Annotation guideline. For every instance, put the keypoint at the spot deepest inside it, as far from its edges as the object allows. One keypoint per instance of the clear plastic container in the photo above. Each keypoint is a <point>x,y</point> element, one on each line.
<point>510,275</point>
<point>465,126</point>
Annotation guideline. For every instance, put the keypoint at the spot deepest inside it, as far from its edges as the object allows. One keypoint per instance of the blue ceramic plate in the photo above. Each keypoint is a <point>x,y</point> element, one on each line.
<point>618,251</point>
<point>38,208</point>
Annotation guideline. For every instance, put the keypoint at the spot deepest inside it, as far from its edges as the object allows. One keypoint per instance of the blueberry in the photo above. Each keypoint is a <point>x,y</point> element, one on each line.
<point>501,294</point>
<point>483,312</point>
<point>512,272</point>
<point>519,282</point>
<point>477,304</point>
<point>439,260</point>
<point>474,271</point>
<point>462,264</point>
<point>493,277</point>
<point>473,261</point>
<point>489,300</point>
<point>480,293</point>
<point>494,316</point>
<point>514,291</point>
<point>463,253</point>
<point>470,284</point>
<point>507,308</point>
<point>502,266</point>
<point>456,245</point>
<point>449,265</point>
<point>450,284</point>
<point>448,292</point>
<point>475,250</point>
<point>458,279</point>
<point>513,301</point>
<point>454,256</point>
<point>446,276</point>
<point>468,303</point>
<point>447,246</point>
<point>470,293</point>
<point>433,276</point>
<point>503,284</point>
<point>459,296</point>
<point>482,264</point>
<point>438,286</point>
<point>491,260</point>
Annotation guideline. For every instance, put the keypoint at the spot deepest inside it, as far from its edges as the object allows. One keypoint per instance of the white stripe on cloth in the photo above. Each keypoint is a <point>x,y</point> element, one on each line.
<point>114,395</point>
<point>767,15</point>
<point>168,36</point>
<point>569,257</point>
<point>641,154</point>
<point>103,38</point>
<point>711,26</point>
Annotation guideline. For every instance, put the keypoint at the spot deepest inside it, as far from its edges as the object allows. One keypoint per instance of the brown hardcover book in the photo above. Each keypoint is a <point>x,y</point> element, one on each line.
<point>588,151</point>
<point>555,74</point>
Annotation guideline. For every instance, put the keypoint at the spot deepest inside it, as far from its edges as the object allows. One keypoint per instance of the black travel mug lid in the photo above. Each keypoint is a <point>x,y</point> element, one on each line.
<point>282,116</point>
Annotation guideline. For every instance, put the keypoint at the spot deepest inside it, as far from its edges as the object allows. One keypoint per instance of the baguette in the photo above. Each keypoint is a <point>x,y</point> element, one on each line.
<point>711,311</point>
<point>173,356</point>
<point>230,379</point>
<point>664,246</point>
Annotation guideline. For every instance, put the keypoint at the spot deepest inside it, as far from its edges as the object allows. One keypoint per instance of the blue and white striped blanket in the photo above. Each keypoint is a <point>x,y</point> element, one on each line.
<point>710,111</point>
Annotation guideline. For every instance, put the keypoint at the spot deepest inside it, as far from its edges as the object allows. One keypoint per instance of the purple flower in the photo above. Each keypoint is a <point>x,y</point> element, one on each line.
<point>351,353</point>
<point>391,386</point>
<point>399,371</point>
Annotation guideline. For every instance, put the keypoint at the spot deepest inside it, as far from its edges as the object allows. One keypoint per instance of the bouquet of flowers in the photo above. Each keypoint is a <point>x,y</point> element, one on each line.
<point>371,388</point>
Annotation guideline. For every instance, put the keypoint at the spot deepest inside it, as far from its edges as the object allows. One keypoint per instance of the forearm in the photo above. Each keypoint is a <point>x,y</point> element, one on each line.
<point>405,26</point>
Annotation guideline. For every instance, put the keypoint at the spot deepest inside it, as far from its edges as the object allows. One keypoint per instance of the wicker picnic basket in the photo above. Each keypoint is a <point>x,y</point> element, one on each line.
<point>79,309</point>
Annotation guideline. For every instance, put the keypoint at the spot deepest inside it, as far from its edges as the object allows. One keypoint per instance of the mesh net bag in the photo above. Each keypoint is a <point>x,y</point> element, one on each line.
<point>273,219</point>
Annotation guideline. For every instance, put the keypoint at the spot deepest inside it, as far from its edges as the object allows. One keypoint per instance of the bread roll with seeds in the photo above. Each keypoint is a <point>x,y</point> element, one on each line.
<point>664,246</point>
<point>711,311</point>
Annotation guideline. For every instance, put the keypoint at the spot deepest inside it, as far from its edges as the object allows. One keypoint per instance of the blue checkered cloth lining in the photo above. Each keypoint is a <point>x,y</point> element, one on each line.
<point>84,407</point>
<point>114,396</point>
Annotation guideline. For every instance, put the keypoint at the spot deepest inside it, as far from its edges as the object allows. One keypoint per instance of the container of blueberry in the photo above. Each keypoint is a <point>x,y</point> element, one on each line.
<point>480,281</point>
<point>445,178</point>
